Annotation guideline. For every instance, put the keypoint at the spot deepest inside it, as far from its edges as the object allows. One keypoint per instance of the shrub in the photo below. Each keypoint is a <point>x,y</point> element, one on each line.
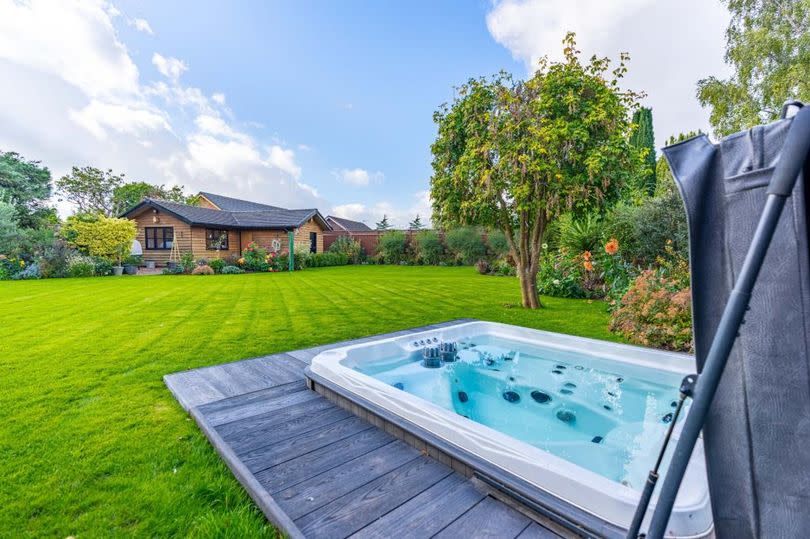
<point>560,275</point>
<point>231,270</point>
<point>496,241</point>
<point>429,247</point>
<point>187,261</point>
<point>347,246</point>
<point>656,310</point>
<point>466,244</point>
<point>205,269</point>
<point>254,257</point>
<point>581,235</point>
<point>81,266</point>
<point>10,266</point>
<point>482,266</point>
<point>176,270</point>
<point>644,230</point>
<point>217,265</point>
<point>318,260</point>
<point>29,272</point>
<point>282,262</point>
<point>391,247</point>
<point>503,268</point>
<point>98,235</point>
<point>102,267</point>
<point>55,259</point>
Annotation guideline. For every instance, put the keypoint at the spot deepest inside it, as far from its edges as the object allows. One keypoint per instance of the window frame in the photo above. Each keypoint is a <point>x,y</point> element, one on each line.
<point>224,244</point>
<point>159,238</point>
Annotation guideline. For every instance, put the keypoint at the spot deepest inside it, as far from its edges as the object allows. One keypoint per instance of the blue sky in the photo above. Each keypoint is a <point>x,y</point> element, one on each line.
<point>306,103</point>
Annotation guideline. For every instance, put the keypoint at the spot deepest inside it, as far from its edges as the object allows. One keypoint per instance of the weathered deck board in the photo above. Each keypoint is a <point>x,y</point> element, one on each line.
<point>316,470</point>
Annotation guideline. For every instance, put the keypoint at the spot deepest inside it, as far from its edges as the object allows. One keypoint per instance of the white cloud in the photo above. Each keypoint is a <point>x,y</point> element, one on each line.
<point>284,160</point>
<point>135,120</point>
<point>72,95</point>
<point>398,216</point>
<point>63,39</point>
<point>358,176</point>
<point>168,66</point>
<point>219,98</point>
<point>142,25</point>
<point>671,45</point>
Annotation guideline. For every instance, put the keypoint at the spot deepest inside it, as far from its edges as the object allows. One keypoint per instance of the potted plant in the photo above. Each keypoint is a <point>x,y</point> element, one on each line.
<point>132,263</point>
<point>150,264</point>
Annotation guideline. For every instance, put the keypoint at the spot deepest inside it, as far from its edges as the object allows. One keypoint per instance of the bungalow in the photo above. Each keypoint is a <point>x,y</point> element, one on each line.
<point>221,227</point>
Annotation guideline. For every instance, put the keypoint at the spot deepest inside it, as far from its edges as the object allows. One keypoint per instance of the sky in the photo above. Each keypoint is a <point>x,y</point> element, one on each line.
<point>309,103</point>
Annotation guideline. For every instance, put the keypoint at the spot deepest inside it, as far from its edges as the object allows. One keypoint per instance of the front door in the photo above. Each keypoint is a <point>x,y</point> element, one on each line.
<point>313,242</point>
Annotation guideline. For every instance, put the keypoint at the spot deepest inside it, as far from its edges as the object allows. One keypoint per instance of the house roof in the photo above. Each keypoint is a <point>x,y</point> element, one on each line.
<point>274,218</point>
<point>347,224</point>
<point>235,204</point>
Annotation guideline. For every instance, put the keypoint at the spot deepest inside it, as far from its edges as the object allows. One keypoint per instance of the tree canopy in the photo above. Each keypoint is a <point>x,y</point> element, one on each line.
<point>416,224</point>
<point>26,185</point>
<point>768,46</point>
<point>516,154</point>
<point>129,194</point>
<point>643,138</point>
<point>383,223</point>
<point>90,189</point>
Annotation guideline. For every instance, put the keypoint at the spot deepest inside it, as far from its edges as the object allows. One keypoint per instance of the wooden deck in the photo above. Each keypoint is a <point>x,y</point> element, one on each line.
<point>316,470</point>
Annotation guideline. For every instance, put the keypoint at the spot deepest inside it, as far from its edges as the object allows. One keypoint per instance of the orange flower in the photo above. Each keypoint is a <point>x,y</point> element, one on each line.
<point>586,255</point>
<point>587,264</point>
<point>612,246</point>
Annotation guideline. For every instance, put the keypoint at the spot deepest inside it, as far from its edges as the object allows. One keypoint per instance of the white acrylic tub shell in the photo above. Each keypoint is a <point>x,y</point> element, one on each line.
<point>609,500</point>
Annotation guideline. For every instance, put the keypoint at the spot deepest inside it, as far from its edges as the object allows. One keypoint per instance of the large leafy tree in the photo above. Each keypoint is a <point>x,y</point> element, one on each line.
<point>129,194</point>
<point>514,155</point>
<point>768,46</point>
<point>27,186</point>
<point>90,189</point>
<point>643,138</point>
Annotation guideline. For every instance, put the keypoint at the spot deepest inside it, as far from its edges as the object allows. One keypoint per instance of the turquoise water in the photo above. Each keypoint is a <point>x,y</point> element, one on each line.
<point>585,411</point>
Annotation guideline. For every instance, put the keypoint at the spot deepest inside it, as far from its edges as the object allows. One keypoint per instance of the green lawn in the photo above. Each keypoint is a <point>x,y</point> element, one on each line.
<point>91,441</point>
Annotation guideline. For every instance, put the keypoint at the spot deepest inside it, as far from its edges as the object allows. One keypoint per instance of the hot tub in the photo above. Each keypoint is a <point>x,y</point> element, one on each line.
<point>577,418</point>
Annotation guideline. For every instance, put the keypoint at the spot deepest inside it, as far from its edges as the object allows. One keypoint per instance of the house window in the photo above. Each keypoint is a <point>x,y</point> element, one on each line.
<point>159,238</point>
<point>216,240</point>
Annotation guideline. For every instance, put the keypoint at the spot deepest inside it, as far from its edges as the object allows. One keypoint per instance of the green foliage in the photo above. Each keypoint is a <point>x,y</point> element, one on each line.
<point>560,275</point>
<point>90,189</point>
<point>31,271</point>
<point>232,270</point>
<point>9,228</point>
<point>320,260</point>
<point>254,257</point>
<point>391,247</point>
<point>10,266</point>
<point>497,244</point>
<point>98,235</point>
<point>644,231</point>
<point>103,267</point>
<point>383,224</point>
<point>81,266</point>
<point>27,186</point>
<point>282,262</point>
<point>127,195</point>
<point>217,265</point>
<point>187,261</point>
<point>429,247</point>
<point>517,154</point>
<point>178,269</point>
<point>580,235</point>
<point>466,244</point>
<point>416,224</point>
<point>349,247</point>
<point>767,46</point>
<point>656,310</point>
<point>54,258</point>
<point>643,138</point>
<point>203,270</point>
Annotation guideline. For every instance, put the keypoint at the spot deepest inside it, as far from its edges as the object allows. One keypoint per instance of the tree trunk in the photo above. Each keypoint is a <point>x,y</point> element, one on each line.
<point>528,287</point>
